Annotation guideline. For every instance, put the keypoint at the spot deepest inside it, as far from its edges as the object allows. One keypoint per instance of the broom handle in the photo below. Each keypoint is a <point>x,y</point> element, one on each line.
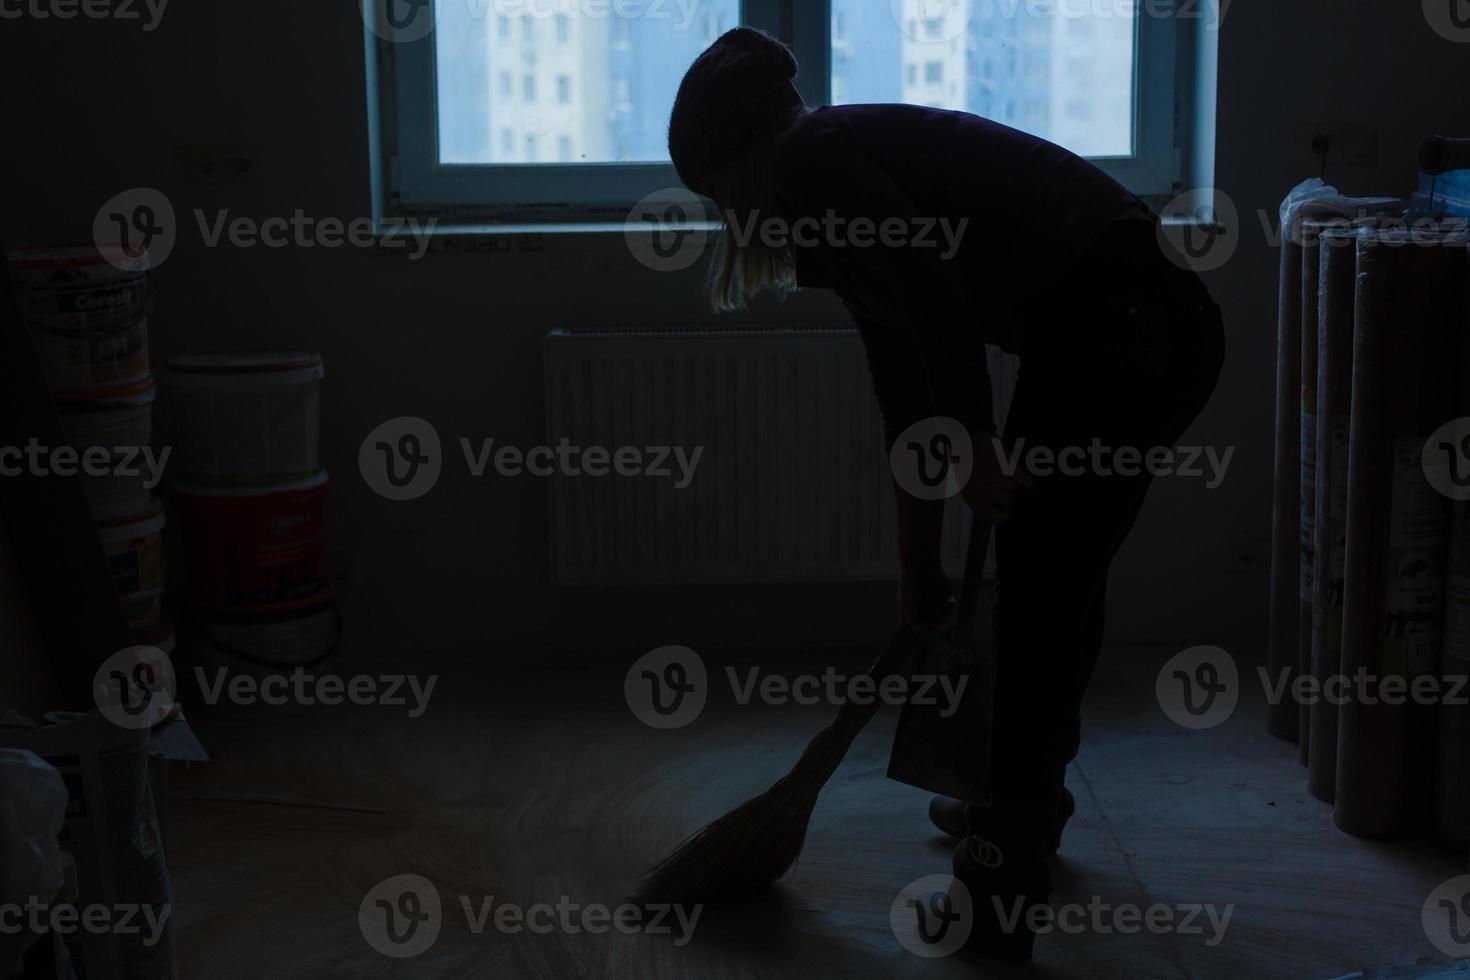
<point>853,716</point>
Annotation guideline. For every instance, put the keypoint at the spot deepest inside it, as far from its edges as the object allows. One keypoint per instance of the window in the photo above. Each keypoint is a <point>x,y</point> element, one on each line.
<point>463,125</point>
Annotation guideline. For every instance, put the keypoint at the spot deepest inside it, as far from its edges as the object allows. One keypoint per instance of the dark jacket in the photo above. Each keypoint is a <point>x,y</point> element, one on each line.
<point>1022,211</point>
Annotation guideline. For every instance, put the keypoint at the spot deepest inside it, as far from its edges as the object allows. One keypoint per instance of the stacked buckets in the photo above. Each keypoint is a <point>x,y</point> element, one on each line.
<point>249,497</point>
<point>86,309</point>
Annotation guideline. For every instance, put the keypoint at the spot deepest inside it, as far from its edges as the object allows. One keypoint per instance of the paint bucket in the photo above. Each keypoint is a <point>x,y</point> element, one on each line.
<point>253,548</point>
<point>134,547</point>
<point>119,422</point>
<point>79,360</point>
<point>80,285</point>
<point>246,419</point>
<point>262,647</point>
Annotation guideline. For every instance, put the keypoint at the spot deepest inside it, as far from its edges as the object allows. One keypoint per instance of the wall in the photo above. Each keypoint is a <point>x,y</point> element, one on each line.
<point>98,107</point>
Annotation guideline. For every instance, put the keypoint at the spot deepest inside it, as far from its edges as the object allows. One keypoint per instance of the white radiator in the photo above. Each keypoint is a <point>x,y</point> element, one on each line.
<point>793,483</point>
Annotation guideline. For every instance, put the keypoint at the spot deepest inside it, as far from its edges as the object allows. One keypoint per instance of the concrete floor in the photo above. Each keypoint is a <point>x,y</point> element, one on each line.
<point>543,787</point>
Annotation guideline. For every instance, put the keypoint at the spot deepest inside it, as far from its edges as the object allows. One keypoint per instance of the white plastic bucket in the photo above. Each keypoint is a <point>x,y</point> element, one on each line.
<point>247,419</point>
<point>266,647</point>
<point>80,359</point>
<point>119,421</point>
<point>80,285</point>
<point>134,547</point>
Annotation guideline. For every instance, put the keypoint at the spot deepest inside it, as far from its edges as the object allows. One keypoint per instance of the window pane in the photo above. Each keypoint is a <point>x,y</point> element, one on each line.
<point>1063,70</point>
<point>545,81</point>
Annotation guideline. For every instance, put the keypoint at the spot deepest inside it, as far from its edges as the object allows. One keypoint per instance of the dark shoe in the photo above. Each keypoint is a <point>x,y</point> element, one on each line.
<point>949,816</point>
<point>1006,876</point>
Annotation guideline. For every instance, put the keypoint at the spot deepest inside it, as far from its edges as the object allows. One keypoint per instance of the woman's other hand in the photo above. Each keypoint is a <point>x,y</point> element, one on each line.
<point>994,480</point>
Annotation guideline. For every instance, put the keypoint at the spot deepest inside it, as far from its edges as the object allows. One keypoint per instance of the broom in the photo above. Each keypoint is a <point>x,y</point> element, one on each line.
<point>753,846</point>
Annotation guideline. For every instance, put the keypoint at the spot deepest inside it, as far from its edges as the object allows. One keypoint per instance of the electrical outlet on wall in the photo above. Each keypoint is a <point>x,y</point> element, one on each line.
<point>1347,145</point>
<point>219,163</point>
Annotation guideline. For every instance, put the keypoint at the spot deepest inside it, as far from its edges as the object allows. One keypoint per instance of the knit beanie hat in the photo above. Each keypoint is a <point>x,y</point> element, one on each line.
<point>737,93</point>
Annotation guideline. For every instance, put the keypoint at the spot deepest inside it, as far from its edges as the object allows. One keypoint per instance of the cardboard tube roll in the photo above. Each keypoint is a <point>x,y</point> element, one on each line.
<point>1307,466</point>
<point>1409,315</point>
<point>1337,285</point>
<point>1284,637</point>
<point>1451,799</point>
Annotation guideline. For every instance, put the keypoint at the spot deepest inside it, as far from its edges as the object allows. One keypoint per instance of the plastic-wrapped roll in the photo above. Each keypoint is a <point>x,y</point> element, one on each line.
<point>1337,285</point>
<point>1451,794</point>
<point>1409,315</point>
<point>1283,654</point>
<point>1452,761</point>
<point>1307,466</point>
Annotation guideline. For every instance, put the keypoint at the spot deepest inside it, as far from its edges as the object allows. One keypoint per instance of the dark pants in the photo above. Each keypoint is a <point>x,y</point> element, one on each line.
<point>1143,353</point>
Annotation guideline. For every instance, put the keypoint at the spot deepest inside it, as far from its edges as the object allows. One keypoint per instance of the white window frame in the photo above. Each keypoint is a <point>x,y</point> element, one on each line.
<point>410,178</point>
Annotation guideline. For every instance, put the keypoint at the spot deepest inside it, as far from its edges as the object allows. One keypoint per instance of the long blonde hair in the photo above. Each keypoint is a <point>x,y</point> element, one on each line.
<point>741,269</point>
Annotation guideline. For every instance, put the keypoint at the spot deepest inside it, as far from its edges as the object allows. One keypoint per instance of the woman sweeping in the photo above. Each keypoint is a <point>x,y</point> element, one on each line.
<point>1057,263</point>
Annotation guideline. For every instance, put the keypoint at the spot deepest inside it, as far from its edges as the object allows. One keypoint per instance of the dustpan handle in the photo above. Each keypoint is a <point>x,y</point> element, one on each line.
<point>975,554</point>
